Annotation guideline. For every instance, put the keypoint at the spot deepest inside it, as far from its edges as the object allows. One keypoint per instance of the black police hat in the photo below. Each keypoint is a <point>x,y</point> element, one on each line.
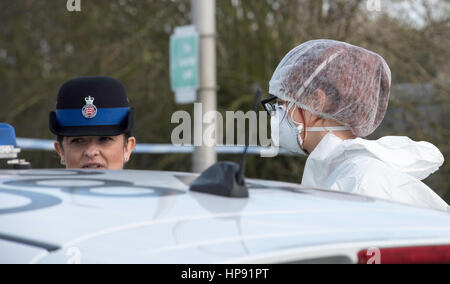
<point>92,106</point>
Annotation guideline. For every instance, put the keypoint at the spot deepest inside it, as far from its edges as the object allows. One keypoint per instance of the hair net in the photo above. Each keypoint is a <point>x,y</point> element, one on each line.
<point>356,83</point>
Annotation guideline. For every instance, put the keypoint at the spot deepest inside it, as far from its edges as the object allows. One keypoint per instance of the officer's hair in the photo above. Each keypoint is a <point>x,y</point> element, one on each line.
<point>127,135</point>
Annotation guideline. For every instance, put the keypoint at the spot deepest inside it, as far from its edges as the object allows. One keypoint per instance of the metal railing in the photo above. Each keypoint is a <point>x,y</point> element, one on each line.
<point>142,148</point>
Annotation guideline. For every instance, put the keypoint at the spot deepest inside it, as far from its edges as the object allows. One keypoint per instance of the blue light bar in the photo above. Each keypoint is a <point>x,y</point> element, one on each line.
<point>7,135</point>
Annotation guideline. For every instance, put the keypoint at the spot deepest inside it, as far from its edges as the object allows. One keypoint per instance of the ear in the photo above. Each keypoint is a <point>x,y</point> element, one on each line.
<point>60,151</point>
<point>319,99</point>
<point>129,147</point>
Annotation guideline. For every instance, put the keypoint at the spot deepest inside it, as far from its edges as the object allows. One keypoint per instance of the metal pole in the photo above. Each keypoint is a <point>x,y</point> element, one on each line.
<point>204,18</point>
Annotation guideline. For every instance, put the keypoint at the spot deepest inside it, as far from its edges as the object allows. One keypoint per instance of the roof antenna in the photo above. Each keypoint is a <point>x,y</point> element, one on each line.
<point>226,178</point>
<point>241,173</point>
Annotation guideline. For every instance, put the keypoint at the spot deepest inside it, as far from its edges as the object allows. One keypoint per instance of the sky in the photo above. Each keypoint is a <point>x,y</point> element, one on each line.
<point>412,11</point>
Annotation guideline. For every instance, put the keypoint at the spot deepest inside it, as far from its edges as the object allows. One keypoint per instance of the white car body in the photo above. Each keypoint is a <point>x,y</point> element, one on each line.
<point>76,216</point>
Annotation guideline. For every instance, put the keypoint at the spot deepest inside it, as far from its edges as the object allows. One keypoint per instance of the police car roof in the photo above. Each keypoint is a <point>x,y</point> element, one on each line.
<point>152,217</point>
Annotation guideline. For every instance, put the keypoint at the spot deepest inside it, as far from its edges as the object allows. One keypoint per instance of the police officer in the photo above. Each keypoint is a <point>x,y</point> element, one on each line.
<point>93,123</point>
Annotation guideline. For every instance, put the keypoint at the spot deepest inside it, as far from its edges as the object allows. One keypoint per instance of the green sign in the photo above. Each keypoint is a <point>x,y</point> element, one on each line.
<point>184,64</point>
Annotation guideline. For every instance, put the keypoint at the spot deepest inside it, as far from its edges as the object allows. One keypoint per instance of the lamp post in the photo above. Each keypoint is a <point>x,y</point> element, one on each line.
<point>204,19</point>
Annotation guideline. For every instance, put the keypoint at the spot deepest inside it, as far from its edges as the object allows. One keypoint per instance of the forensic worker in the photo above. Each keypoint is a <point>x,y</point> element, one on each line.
<point>93,123</point>
<point>327,95</point>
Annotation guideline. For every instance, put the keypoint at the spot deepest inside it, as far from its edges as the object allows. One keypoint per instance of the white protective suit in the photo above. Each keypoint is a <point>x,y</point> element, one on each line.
<point>389,168</point>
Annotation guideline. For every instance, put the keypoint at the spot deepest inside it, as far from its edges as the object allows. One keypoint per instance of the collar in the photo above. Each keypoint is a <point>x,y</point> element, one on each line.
<point>326,147</point>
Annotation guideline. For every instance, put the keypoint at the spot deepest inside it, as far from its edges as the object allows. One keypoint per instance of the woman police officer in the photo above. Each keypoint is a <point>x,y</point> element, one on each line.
<point>93,123</point>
